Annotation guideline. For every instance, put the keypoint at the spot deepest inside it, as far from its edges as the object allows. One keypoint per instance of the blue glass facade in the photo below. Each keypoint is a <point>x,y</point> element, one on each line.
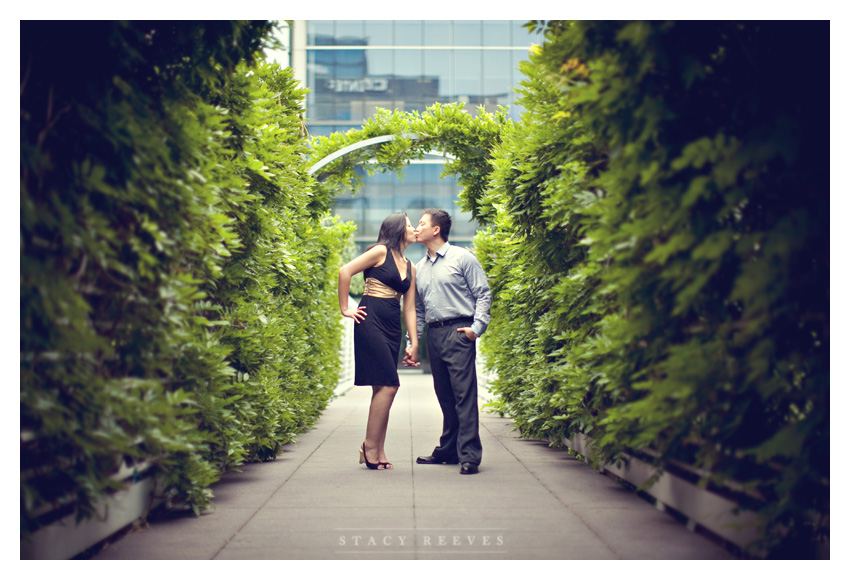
<point>356,66</point>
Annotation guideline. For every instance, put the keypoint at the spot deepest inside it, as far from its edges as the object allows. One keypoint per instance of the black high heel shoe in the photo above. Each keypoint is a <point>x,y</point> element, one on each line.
<point>366,461</point>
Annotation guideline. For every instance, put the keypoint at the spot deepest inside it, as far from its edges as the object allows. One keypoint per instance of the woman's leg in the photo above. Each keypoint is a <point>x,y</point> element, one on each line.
<point>389,393</point>
<point>376,427</point>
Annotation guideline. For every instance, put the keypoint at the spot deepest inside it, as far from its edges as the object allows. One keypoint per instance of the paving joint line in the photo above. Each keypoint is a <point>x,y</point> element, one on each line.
<point>534,475</point>
<point>285,481</point>
<point>412,468</point>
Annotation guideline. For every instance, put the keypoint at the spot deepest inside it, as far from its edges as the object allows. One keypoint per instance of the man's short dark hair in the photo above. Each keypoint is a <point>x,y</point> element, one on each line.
<point>441,218</point>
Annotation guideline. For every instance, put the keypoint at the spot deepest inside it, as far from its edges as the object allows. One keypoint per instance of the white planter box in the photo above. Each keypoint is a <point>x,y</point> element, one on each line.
<point>701,506</point>
<point>65,538</point>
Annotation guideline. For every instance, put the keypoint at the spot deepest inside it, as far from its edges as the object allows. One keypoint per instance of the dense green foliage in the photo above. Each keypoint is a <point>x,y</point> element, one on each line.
<point>446,128</point>
<point>660,254</point>
<point>658,250</point>
<point>177,291</point>
<point>657,246</point>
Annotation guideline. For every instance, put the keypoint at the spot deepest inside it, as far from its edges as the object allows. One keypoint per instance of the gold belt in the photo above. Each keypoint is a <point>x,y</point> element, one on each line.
<point>378,289</point>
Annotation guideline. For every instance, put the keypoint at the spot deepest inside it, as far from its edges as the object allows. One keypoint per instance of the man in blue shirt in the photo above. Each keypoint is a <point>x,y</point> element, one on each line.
<point>453,298</point>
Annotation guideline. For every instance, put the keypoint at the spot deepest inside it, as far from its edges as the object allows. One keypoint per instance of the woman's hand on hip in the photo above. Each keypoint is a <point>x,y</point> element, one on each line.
<point>358,315</point>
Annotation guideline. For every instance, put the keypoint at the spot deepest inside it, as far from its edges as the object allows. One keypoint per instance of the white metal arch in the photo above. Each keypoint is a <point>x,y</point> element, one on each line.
<point>366,143</point>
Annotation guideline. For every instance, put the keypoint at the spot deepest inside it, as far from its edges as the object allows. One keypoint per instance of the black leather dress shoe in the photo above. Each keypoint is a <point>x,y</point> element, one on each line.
<point>468,468</point>
<point>431,460</point>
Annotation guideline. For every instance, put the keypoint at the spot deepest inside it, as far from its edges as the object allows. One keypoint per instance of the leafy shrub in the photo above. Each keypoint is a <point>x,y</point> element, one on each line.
<point>657,246</point>
<point>659,255</point>
<point>449,128</point>
<point>177,297</point>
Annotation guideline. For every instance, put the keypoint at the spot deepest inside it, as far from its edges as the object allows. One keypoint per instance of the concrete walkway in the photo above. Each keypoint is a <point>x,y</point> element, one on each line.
<point>316,502</point>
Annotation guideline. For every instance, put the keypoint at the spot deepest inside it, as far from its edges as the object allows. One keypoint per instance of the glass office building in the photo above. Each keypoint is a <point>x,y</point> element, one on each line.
<point>353,67</point>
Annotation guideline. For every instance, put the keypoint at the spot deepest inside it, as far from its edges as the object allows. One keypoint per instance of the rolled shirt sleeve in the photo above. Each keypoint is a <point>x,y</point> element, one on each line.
<point>480,289</point>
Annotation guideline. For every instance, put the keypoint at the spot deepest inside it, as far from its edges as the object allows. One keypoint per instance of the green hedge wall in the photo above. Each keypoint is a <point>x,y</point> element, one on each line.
<point>659,255</point>
<point>447,127</point>
<point>177,296</point>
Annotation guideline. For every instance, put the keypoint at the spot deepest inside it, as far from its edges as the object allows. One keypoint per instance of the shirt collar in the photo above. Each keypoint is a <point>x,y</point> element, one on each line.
<point>440,253</point>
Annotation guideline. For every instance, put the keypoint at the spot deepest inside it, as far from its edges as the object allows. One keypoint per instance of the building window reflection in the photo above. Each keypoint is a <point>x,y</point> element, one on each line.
<point>467,33</point>
<point>355,66</point>
<point>437,33</point>
<point>378,32</point>
<point>408,32</point>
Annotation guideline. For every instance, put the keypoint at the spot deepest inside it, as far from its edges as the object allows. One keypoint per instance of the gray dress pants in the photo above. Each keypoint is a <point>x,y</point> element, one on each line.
<point>452,357</point>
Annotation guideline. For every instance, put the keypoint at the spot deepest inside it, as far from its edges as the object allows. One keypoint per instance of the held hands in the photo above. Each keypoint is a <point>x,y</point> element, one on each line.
<point>358,315</point>
<point>411,356</point>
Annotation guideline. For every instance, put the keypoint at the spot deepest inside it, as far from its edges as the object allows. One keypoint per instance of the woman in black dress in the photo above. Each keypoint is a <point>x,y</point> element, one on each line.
<point>377,331</point>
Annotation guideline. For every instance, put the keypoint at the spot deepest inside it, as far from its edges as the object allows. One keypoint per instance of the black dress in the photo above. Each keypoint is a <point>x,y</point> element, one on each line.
<point>377,339</point>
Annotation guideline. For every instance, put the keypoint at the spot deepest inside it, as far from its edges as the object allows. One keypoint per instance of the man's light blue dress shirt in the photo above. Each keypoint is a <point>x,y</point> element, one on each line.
<point>452,285</point>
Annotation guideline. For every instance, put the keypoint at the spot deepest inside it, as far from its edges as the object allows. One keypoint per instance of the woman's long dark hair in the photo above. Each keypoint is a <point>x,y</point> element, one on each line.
<point>393,231</point>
